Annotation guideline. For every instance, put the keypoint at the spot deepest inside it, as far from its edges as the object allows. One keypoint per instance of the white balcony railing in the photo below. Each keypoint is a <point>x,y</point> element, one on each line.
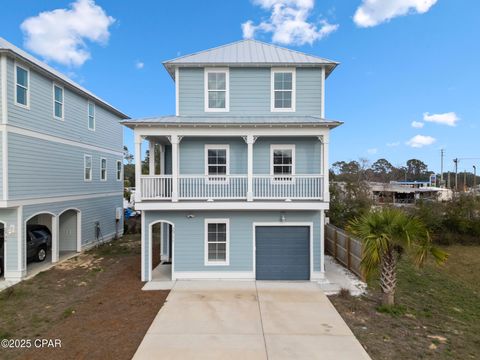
<point>201,187</point>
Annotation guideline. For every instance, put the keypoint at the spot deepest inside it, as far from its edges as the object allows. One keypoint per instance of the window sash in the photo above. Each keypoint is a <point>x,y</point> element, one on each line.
<point>58,101</point>
<point>91,116</point>
<point>216,89</point>
<point>217,238</point>
<point>21,86</point>
<point>103,169</point>
<point>87,165</point>
<point>119,170</point>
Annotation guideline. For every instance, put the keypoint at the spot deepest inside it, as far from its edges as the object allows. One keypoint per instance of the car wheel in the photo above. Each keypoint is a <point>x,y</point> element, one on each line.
<point>41,254</point>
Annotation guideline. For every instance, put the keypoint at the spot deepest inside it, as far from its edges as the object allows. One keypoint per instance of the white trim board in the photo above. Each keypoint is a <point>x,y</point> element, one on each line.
<point>231,205</point>
<point>213,275</point>
<point>22,202</point>
<point>4,88</point>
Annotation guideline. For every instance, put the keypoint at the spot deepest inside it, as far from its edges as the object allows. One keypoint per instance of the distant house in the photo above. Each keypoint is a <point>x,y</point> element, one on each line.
<point>407,192</point>
<point>61,153</point>
<point>238,177</point>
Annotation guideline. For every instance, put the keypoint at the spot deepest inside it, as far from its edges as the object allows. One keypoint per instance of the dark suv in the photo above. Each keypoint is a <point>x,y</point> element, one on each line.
<point>39,241</point>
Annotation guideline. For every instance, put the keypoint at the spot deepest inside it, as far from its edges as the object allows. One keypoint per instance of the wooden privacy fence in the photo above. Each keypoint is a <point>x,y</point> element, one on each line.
<point>344,248</point>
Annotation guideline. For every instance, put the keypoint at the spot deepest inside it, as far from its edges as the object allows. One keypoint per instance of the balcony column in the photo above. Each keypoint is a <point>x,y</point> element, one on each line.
<point>324,166</point>
<point>250,140</point>
<point>151,153</point>
<point>138,167</point>
<point>162,159</point>
<point>175,140</point>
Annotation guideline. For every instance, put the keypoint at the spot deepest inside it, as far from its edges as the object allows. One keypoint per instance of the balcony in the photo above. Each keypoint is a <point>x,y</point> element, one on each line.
<point>232,187</point>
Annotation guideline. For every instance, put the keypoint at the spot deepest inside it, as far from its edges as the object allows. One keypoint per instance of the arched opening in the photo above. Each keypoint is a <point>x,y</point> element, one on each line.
<point>69,232</point>
<point>39,241</point>
<point>161,250</point>
<point>3,252</point>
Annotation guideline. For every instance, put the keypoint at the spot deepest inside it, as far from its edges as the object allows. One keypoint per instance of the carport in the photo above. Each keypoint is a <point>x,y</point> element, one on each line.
<point>69,232</point>
<point>50,221</point>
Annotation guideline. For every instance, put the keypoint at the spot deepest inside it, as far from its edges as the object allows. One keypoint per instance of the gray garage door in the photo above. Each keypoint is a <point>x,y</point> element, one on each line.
<point>282,252</point>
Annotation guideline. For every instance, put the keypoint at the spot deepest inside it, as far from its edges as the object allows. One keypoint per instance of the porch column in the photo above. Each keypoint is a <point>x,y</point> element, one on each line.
<point>138,168</point>
<point>250,140</point>
<point>175,140</point>
<point>162,159</point>
<point>325,166</point>
<point>55,239</point>
<point>322,241</point>
<point>151,153</point>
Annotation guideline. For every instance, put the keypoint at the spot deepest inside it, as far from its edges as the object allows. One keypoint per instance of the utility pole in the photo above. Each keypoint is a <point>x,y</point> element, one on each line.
<point>442,154</point>
<point>455,161</point>
<point>448,180</point>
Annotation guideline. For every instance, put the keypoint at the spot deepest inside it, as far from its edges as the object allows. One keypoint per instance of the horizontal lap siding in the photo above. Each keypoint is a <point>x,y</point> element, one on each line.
<point>250,92</point>
<point>1,164</point>
<point>189,236</point>
<point>108,131</point>
<point>307,154</point>
<point>9,218</point>
<point>40,168</point>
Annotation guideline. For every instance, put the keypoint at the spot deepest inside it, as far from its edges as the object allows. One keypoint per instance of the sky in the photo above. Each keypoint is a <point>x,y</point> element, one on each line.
<point>407,85</point>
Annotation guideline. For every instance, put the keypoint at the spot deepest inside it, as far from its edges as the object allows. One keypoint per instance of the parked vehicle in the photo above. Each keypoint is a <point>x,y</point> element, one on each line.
<point>39,241</point>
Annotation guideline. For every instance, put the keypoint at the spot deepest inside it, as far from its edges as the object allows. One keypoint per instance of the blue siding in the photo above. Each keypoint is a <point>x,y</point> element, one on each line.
<point>250,92</point>
<point>40,168</point>
<point>9,218</point>
<point>108,132</point>
<point>189,236</point>
<point>1,163</point>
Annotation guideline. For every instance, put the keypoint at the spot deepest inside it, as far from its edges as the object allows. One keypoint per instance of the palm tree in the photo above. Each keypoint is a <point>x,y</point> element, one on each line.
<point>387,234</point>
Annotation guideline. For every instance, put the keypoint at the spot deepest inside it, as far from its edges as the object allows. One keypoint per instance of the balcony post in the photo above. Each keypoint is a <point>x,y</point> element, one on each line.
<point>250,140</point>
<point>325,167</point>
<point>151,153</point>
<point>138,167</point>
<point>162,159</point>
<point>175,140</point>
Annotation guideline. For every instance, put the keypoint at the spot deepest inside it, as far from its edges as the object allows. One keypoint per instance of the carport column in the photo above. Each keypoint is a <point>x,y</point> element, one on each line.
<point>22,246</point>
<point>175,140</point>
<point>322,241</point>
<point>151,154</point>
<point>325,166</point>
<point>55,239</point>
<point>138,167</point>
<point>250,140</point>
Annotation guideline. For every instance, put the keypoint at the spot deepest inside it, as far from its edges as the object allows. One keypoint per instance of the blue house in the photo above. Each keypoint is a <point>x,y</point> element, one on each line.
<point>61,154</point>
<point>237,186</point>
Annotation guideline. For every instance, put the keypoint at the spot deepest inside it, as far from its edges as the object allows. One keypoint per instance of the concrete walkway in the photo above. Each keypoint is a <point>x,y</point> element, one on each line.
<point>248,320</point>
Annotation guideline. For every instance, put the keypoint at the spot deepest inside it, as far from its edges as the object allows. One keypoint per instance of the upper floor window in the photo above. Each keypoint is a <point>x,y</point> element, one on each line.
<point>103,169</point>
<point>216,90</point>
<point>22,91</point>
<point>282,161</point>
<point>216,161</point>
<point>87,168</point>
<point>283,90</point>
<point>91,115</point>
<point>58,101</point>
<point>119,170</point>
<point>216,241</point>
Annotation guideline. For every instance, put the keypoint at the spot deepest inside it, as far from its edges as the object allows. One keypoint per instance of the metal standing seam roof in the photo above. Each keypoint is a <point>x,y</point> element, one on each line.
<point>231,120</point>
<point>249,53</point>
<point>6,46</point>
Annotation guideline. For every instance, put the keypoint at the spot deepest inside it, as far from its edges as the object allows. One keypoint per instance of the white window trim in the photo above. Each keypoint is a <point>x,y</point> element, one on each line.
<point>85,167</point>
<point>227,246</point>
<point>274,147</point>
<point>121,170</point>
<point>227,89</point>
<point>15,86</point>
<point>225,147</point>
<point>106,169</point>
<point>54,101</point>
<point>272,89</point>
<point>94,116</point>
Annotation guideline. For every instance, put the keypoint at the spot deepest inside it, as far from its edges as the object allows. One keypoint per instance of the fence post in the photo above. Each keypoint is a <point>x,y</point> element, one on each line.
<point>348,252</point>
<point>335,235</point>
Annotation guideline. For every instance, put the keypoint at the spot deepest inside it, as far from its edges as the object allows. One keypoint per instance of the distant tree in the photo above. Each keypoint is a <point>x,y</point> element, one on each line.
<point>127,156</point>
<point>382,170</point>
<point>417,169</point>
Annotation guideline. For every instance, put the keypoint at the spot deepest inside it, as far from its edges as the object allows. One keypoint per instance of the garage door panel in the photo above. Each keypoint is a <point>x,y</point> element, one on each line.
<point>282,252</point>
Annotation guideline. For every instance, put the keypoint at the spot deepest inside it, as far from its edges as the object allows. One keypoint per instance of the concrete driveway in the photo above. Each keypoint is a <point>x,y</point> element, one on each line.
<point>248,320</point>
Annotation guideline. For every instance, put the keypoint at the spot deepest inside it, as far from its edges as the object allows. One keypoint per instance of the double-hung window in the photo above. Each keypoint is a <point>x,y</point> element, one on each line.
<point>217,162</point>
<point>58,102</point>
<point>216,241</point>
<point>87,168</point>
<point>22,86</point>
<point>216,90</point>
<point>119,170</point>
<point>91,116</point>
<point>103,169</point>
<point>282,165</point>
<point>283,90</point>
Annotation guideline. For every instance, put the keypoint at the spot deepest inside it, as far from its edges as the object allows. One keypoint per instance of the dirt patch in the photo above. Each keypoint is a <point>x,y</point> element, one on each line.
<point>93,303</point>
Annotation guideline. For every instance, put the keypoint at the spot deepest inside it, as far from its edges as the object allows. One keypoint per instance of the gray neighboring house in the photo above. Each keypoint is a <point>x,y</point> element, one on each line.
<point>238,178</point>
<point>61,160</point>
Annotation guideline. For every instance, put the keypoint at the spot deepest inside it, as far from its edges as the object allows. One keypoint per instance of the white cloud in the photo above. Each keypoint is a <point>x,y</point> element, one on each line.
<point>60,35</point>
<point>372,151</point>
<point>373,12</point>
<point>449,118</point>
<point>393,144</point>
<point>139,65</point>
<point>289,23</point>
<point>417,124</point>
<point>419,141</point>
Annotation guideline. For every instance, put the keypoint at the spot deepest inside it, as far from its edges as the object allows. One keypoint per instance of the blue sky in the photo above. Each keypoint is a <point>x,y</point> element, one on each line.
<point>402,62</point>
